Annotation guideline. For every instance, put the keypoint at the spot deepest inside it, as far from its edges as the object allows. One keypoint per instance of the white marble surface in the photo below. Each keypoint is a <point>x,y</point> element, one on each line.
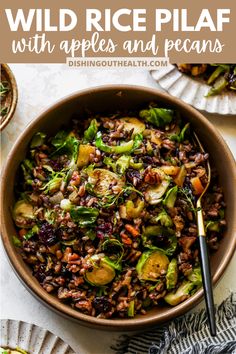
<point>40,85</point>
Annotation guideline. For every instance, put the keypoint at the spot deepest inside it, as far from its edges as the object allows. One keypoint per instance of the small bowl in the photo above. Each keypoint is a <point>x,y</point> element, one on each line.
<point>103,100</point>
<point>11,97</point>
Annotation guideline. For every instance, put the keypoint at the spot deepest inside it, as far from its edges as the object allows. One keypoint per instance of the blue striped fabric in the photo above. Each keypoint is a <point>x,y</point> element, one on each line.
<point>187,335</point>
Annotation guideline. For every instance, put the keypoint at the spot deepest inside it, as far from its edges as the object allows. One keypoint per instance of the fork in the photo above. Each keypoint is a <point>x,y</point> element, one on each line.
<point>205,264</point>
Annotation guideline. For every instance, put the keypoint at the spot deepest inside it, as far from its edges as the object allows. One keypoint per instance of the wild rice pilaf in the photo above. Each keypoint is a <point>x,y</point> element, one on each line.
<point>106,212</point>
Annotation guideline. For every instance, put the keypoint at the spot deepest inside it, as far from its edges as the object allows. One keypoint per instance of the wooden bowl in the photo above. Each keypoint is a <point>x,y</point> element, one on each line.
<point>11,97</point>
<point>103,100</point>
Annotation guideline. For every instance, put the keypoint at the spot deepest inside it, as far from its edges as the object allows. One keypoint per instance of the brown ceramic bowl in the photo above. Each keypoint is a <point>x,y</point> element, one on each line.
<point>102,100</point>
<point>10,100</point>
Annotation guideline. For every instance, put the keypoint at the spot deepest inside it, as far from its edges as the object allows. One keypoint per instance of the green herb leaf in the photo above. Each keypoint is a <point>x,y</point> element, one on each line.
<point>172,274</point>
<point>116,252</point>
<point>91,234</point>
<point>66,144</point>
<point>163,218</point>
<point>218,86</point>
<point>53,185</point>
<point>109,162</point>
<point>100,144</point>
<point>157,116</point>
<point>21,350</point>
<point>221,68</point>
<point>27,169</point>
<point>84,216</point>
<point>131,309</point>
<point>3,111</point>
<point>91,132</point>
<point>3,351</point>
<point>196,276</point>
<point>122,164</point>
<point>16,241</point>
<point>118,149</point>
<point>153,287</point>
<point>59,139</point>
<point>181,136</point>
<point>4,88</point>
<point>150,239</point>
<point>188,196</point>
<point>32,232</point>
<point>137,141</point>
<point>170,197</point>
<point>37,140</point>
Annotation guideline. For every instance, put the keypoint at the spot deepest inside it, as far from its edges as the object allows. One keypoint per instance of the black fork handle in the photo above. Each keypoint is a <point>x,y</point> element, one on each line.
<point>207,283</point>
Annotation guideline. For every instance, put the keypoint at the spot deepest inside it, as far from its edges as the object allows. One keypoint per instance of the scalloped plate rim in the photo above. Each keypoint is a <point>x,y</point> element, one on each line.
<point>28,337</point>
<point>170,77</point>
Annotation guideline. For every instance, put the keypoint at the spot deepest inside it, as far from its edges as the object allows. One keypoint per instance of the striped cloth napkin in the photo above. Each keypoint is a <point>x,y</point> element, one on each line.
<point>187,335</point>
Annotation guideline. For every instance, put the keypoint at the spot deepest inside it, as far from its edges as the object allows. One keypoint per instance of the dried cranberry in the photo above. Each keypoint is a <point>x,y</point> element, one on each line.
<point>65,272</point>
<point>131,174</point>
<point>40,273</point>
<point>102,304</point>
<point>47,234</point>
<point>100,235</point>
<point>108,228</point>
<point>56,165</point>
<point>103,229</point>
<point>147,160</point>
<point>160,241</point>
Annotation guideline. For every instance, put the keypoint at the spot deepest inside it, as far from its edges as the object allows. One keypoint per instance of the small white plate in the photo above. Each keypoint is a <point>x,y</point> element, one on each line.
<point>31,338</point>
<point>193,91</point>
